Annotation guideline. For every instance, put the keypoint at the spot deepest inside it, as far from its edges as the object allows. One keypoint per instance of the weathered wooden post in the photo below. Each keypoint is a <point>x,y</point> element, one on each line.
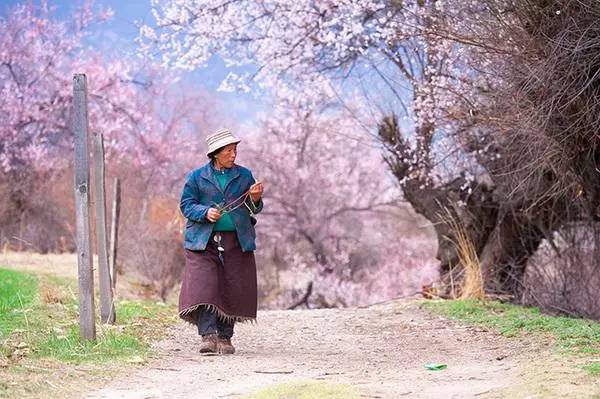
<point>87,325</point>
<point>114,231</point>
<point>107,307</point>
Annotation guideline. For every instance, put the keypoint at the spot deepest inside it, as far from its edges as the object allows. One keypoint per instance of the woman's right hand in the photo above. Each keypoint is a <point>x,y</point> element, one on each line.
<point>213,215</point>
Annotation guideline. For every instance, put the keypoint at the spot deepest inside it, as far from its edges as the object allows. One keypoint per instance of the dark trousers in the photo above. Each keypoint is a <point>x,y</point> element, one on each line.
<point>209,323</point>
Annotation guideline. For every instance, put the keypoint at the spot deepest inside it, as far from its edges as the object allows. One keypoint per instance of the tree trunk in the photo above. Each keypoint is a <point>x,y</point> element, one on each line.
<point>502,243</point>
<point>505,254</point>
<point>475,213</point>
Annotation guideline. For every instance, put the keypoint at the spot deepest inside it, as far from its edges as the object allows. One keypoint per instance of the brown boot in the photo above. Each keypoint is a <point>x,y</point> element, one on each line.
<point>224,346</point>
<point>209,344</point>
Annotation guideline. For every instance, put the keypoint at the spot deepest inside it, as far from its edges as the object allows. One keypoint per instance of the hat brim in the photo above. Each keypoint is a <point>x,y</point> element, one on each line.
<point>222,143</point>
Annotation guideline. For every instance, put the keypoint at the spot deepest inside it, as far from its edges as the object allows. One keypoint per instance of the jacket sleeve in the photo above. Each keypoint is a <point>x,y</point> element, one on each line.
<point>189,204</point>
<point>253,207</point>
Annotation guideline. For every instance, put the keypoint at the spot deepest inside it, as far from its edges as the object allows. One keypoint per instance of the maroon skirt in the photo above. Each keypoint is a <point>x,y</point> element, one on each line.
<point>228,287</point>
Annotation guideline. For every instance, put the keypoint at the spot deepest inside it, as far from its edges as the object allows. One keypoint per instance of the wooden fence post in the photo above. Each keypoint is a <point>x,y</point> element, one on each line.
<point>87,325</point>
<point>107,307</point>
<point>114,231</point>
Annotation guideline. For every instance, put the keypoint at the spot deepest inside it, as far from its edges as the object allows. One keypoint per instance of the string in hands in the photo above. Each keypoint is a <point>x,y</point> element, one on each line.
<point>255,193</point>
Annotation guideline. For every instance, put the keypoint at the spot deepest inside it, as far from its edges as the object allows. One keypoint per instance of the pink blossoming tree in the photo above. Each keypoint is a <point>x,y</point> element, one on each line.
<point>139,109</point>
<point>333,214</point>
<point>389,53</point>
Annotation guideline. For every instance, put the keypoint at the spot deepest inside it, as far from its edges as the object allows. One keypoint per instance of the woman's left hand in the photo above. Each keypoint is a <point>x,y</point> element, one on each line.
<point>256,191</point>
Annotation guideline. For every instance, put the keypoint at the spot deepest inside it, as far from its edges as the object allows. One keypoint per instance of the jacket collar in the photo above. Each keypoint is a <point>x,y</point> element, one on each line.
<point>206,172</point>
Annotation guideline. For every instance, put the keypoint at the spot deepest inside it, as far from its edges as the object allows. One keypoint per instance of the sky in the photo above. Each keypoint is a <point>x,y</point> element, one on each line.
<point>117,36</point>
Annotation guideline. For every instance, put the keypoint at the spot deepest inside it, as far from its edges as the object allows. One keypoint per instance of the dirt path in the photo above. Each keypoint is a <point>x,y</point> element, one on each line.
<point>380,350</point>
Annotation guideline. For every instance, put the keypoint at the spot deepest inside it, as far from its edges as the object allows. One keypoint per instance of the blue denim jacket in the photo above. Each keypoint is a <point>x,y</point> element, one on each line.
<point>202,191</point>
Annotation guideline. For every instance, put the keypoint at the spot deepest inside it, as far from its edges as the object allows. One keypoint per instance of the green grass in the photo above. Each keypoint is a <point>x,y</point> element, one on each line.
<point>39,319</point>
<point>593,369</point>
<point>306,390</point>
<point>70,348</point>
<point>571,335</point>
<point>17,291</point>
<point>138,324</point>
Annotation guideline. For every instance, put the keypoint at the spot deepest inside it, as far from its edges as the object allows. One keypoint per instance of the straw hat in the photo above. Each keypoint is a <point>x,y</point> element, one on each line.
<point>220,138</point>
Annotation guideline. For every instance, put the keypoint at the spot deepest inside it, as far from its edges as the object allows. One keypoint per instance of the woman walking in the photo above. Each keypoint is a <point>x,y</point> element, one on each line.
<point>219,288</point>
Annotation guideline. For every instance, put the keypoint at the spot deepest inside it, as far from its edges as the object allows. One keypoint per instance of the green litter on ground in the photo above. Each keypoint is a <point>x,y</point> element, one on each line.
<point>435,366</point>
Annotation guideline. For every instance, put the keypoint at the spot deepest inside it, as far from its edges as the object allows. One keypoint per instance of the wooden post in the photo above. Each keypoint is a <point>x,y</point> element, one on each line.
<point>87,325</point>
<point>107,307</point>
<point>114,231</point>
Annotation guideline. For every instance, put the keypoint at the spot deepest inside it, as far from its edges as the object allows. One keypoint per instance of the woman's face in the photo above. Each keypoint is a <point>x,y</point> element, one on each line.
<point>226,157</point>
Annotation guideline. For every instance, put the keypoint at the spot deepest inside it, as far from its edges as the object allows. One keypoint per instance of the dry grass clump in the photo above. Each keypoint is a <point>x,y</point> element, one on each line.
<point>471,286</point>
